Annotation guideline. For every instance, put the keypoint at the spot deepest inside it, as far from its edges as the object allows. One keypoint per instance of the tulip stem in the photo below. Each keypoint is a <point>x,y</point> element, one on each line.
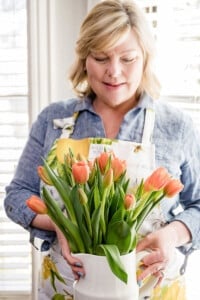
<point>63,222</point>
<point>87,218</point>
<point>63,191</point>
<point>146,210</point>
<point>102,219</point>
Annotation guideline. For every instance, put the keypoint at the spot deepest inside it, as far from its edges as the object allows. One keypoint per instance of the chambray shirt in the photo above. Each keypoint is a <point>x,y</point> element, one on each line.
<point>177,148</point>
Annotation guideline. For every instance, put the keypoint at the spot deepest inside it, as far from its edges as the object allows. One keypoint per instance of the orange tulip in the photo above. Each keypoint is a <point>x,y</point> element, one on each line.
<point>173,187</point>
<point>103,161</point>
<point>43,175</point>
<point>36,205</point>
<point>80,171</point>
<point>129,201</point>
<point>157,180</point>
<point>118,166</point>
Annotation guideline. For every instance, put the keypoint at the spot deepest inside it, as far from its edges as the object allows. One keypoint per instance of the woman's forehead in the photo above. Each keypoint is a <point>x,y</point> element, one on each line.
<point>126,43</point>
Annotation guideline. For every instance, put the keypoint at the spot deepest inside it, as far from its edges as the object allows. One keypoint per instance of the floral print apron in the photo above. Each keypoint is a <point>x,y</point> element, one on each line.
<point>56,278</point>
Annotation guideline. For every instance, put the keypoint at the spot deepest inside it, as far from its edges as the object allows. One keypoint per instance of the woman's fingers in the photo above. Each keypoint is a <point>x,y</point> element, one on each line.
<point>153,263</point>
<point>154,256</point>
<point>153,269</point>
<point>75,263</point>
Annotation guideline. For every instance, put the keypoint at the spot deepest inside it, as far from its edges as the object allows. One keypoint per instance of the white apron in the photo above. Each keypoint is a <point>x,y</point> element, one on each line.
<point>141,162</point>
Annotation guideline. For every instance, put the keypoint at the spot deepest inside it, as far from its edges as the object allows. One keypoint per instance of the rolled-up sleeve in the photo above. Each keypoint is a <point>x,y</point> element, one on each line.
<point>190,177</point>
<point>26,181</point>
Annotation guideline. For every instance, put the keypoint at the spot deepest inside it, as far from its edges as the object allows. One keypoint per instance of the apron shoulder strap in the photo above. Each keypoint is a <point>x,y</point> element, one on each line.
<point>148,126</point>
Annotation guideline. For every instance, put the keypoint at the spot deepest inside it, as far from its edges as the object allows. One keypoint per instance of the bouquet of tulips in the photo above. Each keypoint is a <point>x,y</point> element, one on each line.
<point>100,212</point>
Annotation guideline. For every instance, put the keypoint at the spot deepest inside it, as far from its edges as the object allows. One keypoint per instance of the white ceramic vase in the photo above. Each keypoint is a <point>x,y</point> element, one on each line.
<point>101,284</point>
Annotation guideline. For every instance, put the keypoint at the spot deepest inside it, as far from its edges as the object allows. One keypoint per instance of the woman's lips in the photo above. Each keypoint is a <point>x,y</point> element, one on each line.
<point>113,85</point>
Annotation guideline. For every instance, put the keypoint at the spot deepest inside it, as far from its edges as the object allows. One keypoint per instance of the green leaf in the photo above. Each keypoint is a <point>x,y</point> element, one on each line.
<point>61,171</point>
<point>117,216</point>
<point>63,190</point>
<point>58,276</point>
<point>103,219</point>
<point>79,212</point>
<point>114,261</point>
<point>95,225</point>
<point>62,221</point>
<point>117,201</point>
<point>97,198</point>
<point>140,206</point>
<point>52,279</point>
<point>139,191</point>
<point>134,240</point>
<point>119,233</point>
<point>146,211</point>
<point>99,180</point>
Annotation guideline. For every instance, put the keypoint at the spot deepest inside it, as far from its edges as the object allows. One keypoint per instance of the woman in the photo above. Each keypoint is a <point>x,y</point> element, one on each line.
<point>118,99</point>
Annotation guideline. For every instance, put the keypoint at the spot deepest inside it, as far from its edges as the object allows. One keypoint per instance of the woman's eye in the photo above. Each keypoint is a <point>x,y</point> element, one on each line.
<point>101,59</point>
<point>129,59</point>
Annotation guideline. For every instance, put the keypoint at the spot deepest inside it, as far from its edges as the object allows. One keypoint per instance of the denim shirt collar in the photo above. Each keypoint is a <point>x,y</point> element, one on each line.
<point>144,102</point>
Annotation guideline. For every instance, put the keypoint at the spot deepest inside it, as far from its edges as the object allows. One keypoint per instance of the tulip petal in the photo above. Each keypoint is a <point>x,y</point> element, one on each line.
<point>36,205</point>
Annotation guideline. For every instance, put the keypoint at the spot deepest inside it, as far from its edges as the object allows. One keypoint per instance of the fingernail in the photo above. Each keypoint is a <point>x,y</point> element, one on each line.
<point>139,282</point>
<point>77,264</point>
<point>80,274</point>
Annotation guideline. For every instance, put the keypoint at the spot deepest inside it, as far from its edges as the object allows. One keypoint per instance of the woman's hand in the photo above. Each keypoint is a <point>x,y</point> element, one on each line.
<point>75,264</point>
<point>161,249</point>
<point>162,244</point>
<point>44,222</point>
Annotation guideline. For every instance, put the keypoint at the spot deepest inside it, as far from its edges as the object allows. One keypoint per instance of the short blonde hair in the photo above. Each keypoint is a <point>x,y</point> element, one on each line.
<point>101,29</point>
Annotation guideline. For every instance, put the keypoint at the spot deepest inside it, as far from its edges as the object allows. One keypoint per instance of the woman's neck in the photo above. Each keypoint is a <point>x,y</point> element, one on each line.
<point>112,117</point>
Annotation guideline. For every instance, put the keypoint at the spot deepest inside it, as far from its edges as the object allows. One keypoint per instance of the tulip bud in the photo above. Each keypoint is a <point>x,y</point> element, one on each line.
<point>68,160</point>
<point>81,157</point>
<point>82,196</point>
<point>118,166</point>
<point>36,205</point>
<point>73,160</point>
<point>103,161</point>
<point>173,187</point>
<point>43,175</point>
<point>80,171</point>
<point>129,201</point>
<point>108,178</point>
<point>92,168</point>
<point>157,180</point>
<point>91,165</point>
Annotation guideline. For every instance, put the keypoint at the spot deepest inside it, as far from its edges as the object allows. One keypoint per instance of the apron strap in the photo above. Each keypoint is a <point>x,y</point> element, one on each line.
<point>66,124</point>
<point>148,126</point>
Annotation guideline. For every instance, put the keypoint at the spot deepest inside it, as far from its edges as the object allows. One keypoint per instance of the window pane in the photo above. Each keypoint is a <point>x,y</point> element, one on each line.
<point>15,250</point>
<point>177,32</point>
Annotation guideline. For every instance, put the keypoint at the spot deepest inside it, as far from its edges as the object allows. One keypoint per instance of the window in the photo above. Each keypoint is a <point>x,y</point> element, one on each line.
<point>15,251</point>
<point>176,26</point>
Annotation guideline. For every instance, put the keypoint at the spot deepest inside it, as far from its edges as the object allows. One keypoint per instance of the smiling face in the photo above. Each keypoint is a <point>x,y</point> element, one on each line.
<point>115,74</point>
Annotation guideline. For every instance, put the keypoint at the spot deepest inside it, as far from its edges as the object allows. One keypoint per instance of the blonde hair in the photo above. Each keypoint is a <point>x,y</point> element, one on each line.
<point>101,29</point>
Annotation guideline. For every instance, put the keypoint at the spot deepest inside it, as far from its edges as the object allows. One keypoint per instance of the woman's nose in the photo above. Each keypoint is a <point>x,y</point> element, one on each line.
<point>113,69</point>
